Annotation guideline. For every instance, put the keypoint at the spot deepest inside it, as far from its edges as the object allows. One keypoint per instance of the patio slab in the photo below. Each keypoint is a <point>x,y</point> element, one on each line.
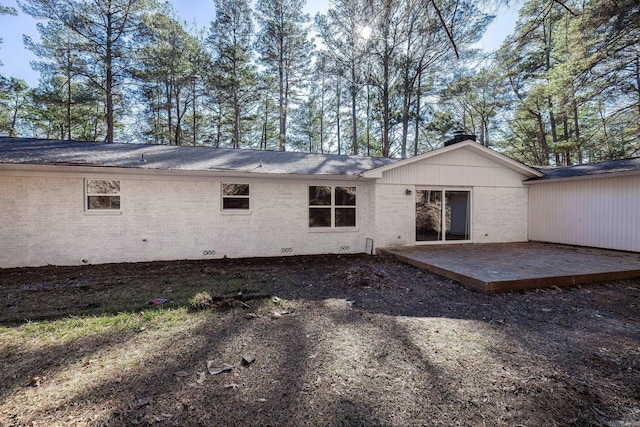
<point>502,267</point>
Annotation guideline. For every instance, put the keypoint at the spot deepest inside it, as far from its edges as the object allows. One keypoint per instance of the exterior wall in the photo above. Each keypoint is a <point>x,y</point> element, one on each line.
<point>499,215</point>
<point>395,216</point>
<point>43,220</point>
<point>454,168</point>
<point>598,212</point>
<point>498,197</point>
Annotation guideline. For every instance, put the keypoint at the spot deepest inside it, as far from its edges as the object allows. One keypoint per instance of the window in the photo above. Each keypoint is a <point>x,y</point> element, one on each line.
<point>103,194</point>
<point>235,196</point>
<point>332,206</point>
<point>443,215</point>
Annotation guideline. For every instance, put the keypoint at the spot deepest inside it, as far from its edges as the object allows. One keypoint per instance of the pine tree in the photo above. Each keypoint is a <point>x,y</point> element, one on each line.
<point>234,75</point>
<point>106,30</point>
<point>285,50</point>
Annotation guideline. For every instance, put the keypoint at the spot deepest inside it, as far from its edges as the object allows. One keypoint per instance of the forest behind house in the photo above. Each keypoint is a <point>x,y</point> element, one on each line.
<point>390,78</point>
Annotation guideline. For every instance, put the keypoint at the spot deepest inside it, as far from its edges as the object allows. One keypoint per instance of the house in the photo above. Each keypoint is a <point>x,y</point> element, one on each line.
<point>71,203</point>
<point>595,205</point>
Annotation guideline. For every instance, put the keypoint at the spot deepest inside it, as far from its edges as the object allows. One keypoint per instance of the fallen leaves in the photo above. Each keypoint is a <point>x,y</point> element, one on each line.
<point>218,369</point>
<point>36,381</point>
<point>201,377</point>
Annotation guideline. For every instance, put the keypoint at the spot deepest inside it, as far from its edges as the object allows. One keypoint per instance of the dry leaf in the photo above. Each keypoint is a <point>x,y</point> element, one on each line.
<point>217,369</point>
<point>144,401</point>
<point>36,381</point>
<point>247,359</point>
<point>181,374</point>
<point>201,377</point>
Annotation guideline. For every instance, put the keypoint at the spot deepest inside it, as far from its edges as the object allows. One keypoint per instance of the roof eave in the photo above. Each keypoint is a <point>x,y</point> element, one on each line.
<point>116,170</point>
<point>583,177</point>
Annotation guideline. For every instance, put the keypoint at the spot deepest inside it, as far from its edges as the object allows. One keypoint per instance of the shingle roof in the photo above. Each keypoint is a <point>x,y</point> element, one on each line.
<point>600,168</point>
<point>183,158</point>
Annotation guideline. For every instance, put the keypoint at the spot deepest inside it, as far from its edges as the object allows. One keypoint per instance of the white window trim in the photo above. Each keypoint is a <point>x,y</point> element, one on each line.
<point>333,206</point>
<point>231,211</point>
<point>100,212</point>
<point>444,241</point>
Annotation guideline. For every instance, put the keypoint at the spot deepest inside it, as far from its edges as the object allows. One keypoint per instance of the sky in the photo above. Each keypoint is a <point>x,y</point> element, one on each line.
<point>16,58</point>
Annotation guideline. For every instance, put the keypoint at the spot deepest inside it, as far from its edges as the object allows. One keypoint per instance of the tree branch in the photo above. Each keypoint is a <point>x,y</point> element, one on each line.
<point>444,25</point>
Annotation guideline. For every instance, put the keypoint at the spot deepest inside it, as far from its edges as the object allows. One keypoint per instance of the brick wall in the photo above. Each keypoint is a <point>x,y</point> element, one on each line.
<point>499,214</point>
<point>43,221</point>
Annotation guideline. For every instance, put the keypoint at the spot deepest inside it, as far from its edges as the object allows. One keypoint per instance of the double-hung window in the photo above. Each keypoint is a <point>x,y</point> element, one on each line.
<point>102,194</point>
<point>332,206</point>
<point>235,196</point>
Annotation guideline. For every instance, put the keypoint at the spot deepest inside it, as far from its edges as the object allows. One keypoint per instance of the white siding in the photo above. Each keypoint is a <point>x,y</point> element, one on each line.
<point>42,221</point>
<point>600,212</point>
<point>454,168</point>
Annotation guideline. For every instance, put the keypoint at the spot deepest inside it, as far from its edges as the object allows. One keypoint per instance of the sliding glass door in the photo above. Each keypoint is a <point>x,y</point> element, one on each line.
<point>443,215</point>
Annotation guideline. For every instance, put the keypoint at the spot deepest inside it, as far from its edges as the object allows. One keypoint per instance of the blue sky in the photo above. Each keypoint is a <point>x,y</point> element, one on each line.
<point>15,58</point>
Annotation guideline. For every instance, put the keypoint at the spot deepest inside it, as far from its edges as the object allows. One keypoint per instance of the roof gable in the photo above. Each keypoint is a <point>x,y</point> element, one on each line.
<point>468,145</point>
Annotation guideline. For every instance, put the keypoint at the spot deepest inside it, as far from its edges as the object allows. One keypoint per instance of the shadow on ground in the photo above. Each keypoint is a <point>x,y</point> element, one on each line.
<point>356,341</point>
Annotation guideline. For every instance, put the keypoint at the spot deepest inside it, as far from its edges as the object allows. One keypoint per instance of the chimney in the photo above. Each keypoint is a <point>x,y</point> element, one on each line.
<point>459,136</point>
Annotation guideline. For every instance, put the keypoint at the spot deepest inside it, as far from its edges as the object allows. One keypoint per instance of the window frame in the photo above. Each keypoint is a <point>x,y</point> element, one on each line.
<point>333,207</point>
<point>443,191</point>
<point>87,194</point>
<point>235,197</point>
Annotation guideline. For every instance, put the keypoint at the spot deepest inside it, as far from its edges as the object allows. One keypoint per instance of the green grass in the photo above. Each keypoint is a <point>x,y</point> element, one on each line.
<point>72,328</point>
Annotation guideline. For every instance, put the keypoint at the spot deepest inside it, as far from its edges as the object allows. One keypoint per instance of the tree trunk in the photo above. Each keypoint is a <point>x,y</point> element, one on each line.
<point>417,128</point>
<point>281,101</point>
<point>265,124</point>
<point>109,76</point>
<point>354,123</point>
<point>322,114</point>
<point>194,112</point>
<point>576,124</point>
<point>368,119</point>
<point>69,94</point>
<point>338,105</point>
<point>542,139</point>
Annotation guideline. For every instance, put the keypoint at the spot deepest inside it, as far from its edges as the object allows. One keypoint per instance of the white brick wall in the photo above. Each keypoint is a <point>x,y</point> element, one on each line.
<point>395,215</point>
<point>499,214</point>
<point>42,221</point>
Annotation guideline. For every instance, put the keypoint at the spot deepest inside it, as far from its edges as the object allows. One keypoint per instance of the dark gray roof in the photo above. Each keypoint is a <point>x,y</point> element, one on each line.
<point>631,165</point>
<point>182,158</point>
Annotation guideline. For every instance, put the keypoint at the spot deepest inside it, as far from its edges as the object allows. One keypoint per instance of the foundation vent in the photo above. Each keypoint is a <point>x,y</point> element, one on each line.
<point>208,252</point>
<point>344,249</point>
<point>286,250</point>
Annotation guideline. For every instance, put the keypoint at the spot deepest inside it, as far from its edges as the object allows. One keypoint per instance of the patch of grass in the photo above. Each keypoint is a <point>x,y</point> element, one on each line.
<point>72,328</point>
<point>128,294</point>
<point>201,300</point>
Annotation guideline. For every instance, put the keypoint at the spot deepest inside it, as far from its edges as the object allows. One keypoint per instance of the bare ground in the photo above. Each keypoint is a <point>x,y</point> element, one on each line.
<point>337,341</point>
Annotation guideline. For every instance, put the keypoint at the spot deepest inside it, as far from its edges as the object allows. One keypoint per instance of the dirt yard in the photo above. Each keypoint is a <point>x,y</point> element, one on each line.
<point>319,341</point>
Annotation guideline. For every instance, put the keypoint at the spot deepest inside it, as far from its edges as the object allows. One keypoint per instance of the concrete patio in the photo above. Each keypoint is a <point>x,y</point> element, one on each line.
<point>505,267</point>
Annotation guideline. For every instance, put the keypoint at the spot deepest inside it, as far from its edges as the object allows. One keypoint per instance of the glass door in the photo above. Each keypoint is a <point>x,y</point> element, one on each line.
<point>443,215</point>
